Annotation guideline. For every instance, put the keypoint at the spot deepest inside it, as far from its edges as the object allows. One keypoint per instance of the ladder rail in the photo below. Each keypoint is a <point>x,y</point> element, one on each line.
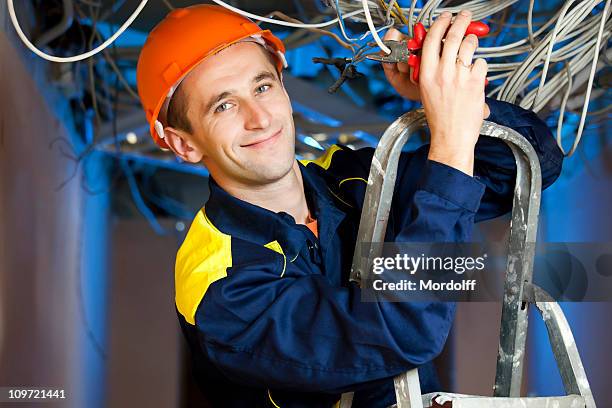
<point>379,191</point>
<point>562,342</point>
<point>519,267</point>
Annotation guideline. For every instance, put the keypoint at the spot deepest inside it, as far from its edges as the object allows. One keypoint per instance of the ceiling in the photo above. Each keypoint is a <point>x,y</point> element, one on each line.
<point>156,9</point>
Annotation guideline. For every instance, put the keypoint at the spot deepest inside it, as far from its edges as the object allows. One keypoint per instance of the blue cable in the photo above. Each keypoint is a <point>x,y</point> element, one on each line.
<point>137,197</point>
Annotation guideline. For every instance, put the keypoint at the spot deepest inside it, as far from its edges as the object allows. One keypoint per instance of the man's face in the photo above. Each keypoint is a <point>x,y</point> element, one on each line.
<point>241,117</point>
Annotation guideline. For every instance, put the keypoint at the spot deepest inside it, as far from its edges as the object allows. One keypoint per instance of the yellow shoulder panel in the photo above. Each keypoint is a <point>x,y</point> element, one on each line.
<point>202,259</point>
<point>275,246</point>
<point>325,160</point>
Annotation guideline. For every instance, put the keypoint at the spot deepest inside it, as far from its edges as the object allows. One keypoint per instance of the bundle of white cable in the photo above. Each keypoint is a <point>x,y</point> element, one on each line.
<point>130,20</point>
<point>584,34</point>
<point>588,35</point>
<point>80,57</point>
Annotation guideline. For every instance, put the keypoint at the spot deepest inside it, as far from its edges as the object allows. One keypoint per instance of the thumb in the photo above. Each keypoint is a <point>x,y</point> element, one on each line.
<point>394,35</point>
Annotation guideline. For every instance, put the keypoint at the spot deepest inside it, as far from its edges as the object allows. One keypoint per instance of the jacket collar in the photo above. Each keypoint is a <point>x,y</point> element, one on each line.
<point>250,222</point>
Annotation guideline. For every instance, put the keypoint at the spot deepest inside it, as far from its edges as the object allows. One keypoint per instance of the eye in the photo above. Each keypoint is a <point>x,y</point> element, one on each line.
<point>223,107</point>
<point>263,88</point>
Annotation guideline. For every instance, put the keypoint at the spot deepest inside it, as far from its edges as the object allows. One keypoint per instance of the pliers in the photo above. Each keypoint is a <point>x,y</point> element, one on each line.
<point>409,50</point>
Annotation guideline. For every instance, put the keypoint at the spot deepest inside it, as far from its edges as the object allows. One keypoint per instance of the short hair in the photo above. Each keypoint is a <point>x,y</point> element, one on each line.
<point>177,111</point>
<point>176,115</point>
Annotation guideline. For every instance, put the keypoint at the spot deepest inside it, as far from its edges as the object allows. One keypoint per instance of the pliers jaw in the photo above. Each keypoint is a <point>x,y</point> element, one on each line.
<point>404,51</point>
<point>399,52</point>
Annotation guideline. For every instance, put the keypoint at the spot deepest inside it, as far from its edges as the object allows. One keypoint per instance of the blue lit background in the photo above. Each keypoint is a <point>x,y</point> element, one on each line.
<point>575,208</point>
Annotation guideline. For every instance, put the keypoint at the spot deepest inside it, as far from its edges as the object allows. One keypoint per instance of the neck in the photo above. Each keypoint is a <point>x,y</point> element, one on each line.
<point>290,188</point>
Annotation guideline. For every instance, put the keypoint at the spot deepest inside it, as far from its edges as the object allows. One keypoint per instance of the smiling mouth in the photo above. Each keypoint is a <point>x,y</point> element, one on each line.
<point>264,141</point>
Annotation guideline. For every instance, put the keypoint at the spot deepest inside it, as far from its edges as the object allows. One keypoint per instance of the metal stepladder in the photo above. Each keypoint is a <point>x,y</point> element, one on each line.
<point>519,291</point>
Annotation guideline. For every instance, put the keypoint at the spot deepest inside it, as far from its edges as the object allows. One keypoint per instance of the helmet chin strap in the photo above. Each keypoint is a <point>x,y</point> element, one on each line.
<point>256,38</point>
<point>159,128</point>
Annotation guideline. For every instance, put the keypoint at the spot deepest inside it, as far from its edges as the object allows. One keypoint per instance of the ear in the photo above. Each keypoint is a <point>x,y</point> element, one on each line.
<point>179,142</point>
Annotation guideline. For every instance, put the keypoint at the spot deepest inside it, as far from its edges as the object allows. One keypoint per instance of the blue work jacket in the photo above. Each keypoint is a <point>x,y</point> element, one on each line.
<point>267,308</point>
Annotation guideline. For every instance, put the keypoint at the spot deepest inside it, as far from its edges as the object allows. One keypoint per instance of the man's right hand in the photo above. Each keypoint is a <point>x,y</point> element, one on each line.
<point>452,91</point>
<point>398,74</point>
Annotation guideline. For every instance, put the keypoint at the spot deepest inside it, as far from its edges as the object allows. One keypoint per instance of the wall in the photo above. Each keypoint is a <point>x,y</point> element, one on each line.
<point>144,339</point>
<point>39,237</point>
<point>52,236</point>
<point>579,211</point>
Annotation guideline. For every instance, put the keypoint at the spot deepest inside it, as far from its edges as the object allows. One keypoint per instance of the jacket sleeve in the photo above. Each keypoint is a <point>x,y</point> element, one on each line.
<point>495,165</point>
<point>303,333</point>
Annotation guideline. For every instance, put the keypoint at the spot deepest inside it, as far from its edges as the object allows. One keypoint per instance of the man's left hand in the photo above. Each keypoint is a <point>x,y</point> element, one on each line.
<point>399,76</point>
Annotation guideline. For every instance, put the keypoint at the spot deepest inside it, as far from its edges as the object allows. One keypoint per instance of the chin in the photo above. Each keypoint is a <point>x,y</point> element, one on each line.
<point>269,172</point>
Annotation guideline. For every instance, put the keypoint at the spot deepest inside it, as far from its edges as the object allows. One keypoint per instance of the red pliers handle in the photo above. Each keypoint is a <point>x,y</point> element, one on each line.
<point>408,51</point>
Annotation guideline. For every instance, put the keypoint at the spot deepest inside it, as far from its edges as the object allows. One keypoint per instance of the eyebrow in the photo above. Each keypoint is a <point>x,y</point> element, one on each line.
<point>258,78</point>
<point>217,99</point>
<point>264,75</point>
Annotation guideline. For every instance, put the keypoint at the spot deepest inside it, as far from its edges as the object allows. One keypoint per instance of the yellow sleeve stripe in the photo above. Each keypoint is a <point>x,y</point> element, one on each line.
<point>325,160</point>
<point>275,246</point>
<point>202,259</point>
<point>339,199</point>
<point>271,400</point>
<point>352,178</point>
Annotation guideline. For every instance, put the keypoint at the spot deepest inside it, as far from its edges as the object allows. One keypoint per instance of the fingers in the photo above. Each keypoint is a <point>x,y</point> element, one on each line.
<point>391,72</point>
<point>452,91</point>
<point>454,37</point>
<point>487,111</point>
<point>479,69</point>
<point>430,55</point>
<point>466,52</point>
<point>393,35</point>
<point>395,76</point>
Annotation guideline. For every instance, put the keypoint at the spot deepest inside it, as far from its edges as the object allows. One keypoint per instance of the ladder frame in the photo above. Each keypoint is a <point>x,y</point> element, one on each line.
<point>519,291</point>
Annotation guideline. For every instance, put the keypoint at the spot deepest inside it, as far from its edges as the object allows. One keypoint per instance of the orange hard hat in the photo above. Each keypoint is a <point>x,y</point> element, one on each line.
<point>179,42</point>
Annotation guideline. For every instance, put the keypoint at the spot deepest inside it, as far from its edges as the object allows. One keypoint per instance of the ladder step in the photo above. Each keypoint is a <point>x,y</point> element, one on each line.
<point>450,400</point>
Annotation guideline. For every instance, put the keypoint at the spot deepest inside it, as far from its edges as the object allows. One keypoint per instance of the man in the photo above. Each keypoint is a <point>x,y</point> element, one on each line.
<point>262,290</point>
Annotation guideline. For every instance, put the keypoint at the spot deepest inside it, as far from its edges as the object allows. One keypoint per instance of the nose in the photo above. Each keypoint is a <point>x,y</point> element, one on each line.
<point>256,116</point>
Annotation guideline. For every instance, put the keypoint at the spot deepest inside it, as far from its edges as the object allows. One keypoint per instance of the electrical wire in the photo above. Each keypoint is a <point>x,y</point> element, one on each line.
<point>377,39</point>
<point>285,17</point>
<point>535,58</point>
<point>284,23</point>
<point>75,58</point>
<point>566,7</point>
<point>574,35</point>
<point>91,3</point>
<point>479,8</point>
<point>168,5</point>
<point>90,66</point>
<point>589,87</point>
<point>562,110</point>
<point>389,8</point>
<point>94,17</point>
<point>135,14</point>
<point>538,71</point>
<point>530,23</point>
